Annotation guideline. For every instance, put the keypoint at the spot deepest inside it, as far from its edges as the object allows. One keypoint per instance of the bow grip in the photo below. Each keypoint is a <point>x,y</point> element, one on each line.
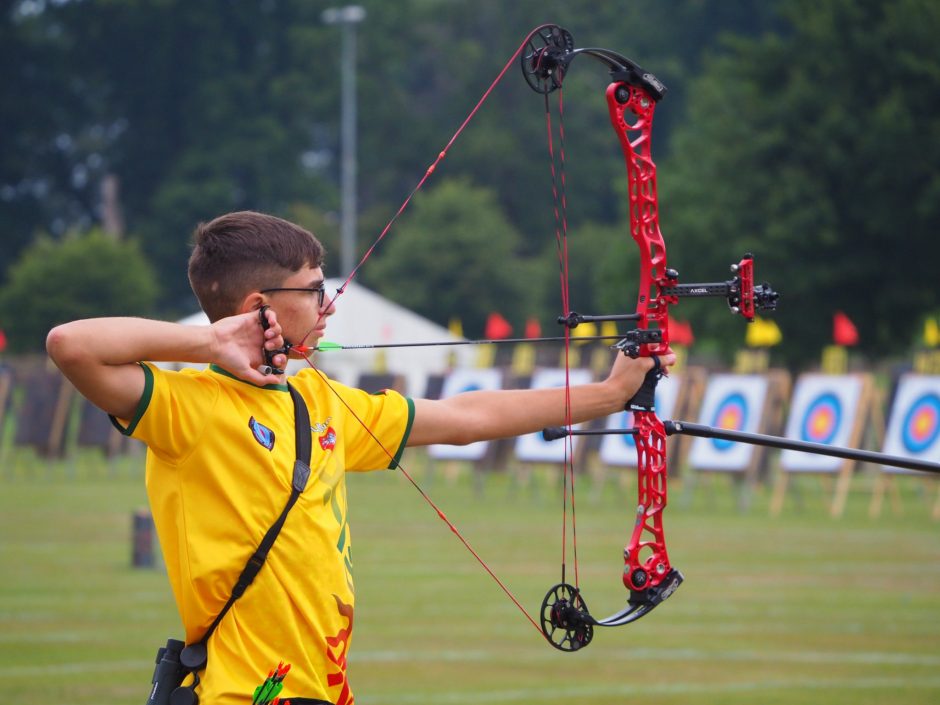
<point>645,397</point>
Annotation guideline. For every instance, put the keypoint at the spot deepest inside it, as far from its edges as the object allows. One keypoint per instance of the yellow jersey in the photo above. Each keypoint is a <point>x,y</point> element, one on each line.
<point>219,466</point>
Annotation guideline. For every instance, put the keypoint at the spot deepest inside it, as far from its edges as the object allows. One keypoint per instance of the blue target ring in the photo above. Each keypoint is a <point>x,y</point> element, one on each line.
<point>730,415</point>
<point>625,423</point>
<point>822,419</point>
<point>921,423</point>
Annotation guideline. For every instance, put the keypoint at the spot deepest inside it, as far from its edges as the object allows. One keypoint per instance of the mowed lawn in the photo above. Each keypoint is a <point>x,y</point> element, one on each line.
<point>801,608</point>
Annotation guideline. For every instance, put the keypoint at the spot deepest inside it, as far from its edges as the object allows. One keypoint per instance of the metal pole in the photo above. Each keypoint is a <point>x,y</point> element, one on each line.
<point>347,16</point>
<point>348,257</point>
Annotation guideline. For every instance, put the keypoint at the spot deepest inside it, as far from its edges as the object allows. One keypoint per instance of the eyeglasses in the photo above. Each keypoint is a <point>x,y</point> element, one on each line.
<point>320,291</point>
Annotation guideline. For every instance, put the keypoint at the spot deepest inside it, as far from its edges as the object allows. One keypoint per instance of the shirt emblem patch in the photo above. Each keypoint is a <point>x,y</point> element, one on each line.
<point>321,426</point>
<point>328,440</point>
<point>262,434</point>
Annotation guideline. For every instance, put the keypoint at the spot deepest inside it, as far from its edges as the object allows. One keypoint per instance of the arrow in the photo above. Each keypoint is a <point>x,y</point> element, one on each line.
<point>325,346</point>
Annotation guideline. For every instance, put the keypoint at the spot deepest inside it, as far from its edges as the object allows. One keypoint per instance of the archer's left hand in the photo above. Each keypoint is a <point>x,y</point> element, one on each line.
<point>627,373</point>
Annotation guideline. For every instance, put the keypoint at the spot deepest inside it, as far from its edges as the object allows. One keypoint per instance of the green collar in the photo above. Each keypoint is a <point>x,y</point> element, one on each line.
<point>226,373</point>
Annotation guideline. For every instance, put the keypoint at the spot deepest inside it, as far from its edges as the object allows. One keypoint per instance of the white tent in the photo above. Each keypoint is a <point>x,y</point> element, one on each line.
<point>364,318</point>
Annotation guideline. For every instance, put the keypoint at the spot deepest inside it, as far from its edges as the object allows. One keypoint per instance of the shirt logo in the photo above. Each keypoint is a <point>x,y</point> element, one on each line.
<point>262,434</point>
<point>328,440</point>
<point>321,426</point>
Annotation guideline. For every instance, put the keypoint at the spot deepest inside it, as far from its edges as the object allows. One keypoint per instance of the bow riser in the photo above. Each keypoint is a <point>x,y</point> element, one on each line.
<point>631,114</point>
<point>645,560</point>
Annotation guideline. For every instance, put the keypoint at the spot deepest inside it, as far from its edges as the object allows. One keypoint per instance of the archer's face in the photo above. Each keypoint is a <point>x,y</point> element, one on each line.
<point>297,303</point>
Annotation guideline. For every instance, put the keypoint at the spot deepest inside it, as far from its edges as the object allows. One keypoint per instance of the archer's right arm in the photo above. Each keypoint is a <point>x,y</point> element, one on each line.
<point>100,355</point>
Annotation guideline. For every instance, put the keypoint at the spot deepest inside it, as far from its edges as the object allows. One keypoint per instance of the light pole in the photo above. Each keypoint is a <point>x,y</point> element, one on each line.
<point>347,17</point>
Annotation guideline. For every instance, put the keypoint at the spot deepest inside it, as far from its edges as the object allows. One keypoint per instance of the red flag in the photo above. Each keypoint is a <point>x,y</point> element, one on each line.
<point>3,340</point>
<point>533,329</point>
<point>844,331</point>
<point>680,333</point>
<point>497,327</point>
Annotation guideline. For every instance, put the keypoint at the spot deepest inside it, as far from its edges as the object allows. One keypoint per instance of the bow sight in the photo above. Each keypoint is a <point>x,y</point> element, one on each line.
<point>742,295</point>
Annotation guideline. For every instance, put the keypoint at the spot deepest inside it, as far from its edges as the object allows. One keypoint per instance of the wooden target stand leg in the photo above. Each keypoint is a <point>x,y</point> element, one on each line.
<point>779,493</point>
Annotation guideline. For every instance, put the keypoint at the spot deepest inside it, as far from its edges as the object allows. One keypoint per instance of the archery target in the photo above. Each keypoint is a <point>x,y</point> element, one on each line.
<point>731,414</point>
<point>919,429</point>
<point>824,409</point>
<point>914,424</point>
<point>621,449</point>
<point>732,402</point>
<point>458,382</point>
<point>532,447</point>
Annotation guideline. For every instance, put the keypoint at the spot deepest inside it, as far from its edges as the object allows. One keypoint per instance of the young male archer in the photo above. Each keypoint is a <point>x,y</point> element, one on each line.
<point>221,449</point>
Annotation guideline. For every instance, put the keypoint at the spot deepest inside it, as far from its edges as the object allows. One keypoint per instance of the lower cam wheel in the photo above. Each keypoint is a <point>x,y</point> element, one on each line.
<point>566,622</point>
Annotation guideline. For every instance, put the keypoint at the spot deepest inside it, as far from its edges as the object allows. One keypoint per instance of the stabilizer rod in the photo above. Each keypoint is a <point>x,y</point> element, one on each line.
<point>760,439</point>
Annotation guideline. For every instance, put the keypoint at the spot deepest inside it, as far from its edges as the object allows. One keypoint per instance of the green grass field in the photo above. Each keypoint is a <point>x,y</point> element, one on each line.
<point>797,609</point>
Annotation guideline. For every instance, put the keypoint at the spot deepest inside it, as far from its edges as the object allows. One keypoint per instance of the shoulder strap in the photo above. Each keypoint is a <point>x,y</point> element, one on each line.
<point>298,483</point>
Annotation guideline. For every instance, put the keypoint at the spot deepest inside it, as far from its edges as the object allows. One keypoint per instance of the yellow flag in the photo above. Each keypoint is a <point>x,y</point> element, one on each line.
<point>584,330</point>
<point>455,327</point>
<point>931,333</point>
<point>609,329</point>
<point>763,333</point>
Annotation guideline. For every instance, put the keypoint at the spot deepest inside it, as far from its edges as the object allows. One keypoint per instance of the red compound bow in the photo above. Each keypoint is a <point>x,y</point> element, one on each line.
<point>648,574</point>
<point>631,100</point>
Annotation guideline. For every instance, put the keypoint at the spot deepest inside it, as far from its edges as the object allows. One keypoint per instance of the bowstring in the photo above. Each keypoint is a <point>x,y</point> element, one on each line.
<point>427,174</point>
<point>341,290</point>
<point>396,465</point>
<point>560,210</point>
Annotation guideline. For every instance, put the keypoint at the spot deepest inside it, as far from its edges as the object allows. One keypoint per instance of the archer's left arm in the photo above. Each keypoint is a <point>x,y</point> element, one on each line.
<point>487,415</point>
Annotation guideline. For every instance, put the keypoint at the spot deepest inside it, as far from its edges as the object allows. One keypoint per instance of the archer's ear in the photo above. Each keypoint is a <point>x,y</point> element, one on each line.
<point>252,302</point>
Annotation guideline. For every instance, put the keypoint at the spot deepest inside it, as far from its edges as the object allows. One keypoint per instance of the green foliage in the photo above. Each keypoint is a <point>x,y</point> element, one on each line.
<point>206,107</point>
<point>455,252</point>
<point>817,149</point>
<point>199,108</point>
<point>81,276</point>
<point>805,132</point>
<point>602,268</point>
<point>325,226</point>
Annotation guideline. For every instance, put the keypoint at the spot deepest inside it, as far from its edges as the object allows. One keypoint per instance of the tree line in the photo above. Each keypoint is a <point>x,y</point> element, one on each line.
<point>801,131</point>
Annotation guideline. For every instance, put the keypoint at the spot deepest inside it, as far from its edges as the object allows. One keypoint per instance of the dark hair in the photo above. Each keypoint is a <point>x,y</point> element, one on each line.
<point>242,252</point>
